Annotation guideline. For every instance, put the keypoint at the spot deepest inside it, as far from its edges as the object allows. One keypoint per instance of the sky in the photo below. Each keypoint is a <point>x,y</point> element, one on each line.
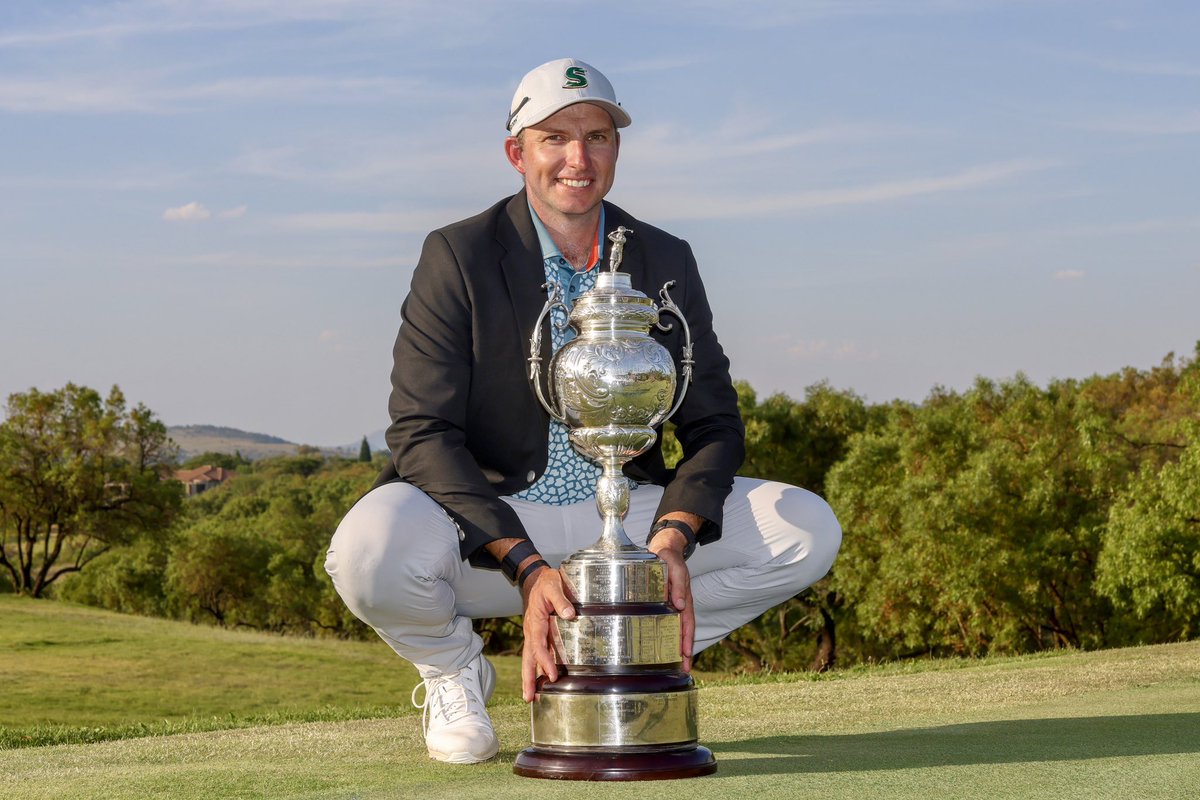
<point>217,204</point>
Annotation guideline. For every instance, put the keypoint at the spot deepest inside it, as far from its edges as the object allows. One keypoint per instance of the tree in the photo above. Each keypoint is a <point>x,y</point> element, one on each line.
<point>795,442</point>
<point>1151,558</point>
<point>364,451</point>
<point>234,461</point>
<point>974,522</point>
<point>78,476</point>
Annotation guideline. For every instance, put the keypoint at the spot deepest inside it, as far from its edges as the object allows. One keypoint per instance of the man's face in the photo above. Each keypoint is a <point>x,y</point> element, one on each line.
<point>569,161</point>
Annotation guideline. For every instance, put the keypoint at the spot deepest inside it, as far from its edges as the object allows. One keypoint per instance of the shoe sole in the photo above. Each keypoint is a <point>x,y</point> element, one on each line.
<point>463,758</point>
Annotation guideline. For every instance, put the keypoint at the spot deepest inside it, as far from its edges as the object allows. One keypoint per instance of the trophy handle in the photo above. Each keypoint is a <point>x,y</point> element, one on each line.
<point>535,347</point>
<point>686,362</point>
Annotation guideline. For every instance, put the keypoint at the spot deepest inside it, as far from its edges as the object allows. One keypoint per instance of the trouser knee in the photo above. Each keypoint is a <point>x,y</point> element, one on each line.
<point>813,534</point>
<point>388,559</point>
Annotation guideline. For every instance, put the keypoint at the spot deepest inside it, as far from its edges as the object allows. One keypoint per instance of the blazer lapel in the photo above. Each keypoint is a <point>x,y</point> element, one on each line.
<point>522,265</point>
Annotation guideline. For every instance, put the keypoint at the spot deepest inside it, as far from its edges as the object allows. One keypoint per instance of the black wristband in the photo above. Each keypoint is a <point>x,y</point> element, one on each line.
<point>525,573</point>
<point>513,558</point>
<point>679,525</point>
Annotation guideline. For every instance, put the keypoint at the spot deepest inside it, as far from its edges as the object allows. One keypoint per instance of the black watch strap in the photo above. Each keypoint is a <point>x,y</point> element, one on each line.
<point>528,571</point>
<point>513,558</point>
<point>679,525</point>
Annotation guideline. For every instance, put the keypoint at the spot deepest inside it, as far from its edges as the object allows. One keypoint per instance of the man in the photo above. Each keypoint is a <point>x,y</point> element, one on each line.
<point>482,478</point>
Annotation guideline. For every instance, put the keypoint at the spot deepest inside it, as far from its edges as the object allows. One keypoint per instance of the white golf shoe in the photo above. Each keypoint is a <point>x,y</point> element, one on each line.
<point>457,727</point>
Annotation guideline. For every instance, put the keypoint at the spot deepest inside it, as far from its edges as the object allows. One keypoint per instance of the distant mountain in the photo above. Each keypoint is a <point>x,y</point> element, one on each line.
<point>196,439</point>
<point>227,433</point>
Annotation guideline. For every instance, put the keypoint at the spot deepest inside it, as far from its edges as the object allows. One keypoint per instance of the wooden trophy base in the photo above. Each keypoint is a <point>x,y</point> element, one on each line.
<point>612,766</point>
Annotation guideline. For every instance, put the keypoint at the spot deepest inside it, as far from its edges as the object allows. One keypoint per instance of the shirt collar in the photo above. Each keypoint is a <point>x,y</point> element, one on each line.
<point>550,249</point>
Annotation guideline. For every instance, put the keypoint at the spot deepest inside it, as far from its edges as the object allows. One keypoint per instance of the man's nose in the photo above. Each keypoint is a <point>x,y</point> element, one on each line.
<point>577,153</point>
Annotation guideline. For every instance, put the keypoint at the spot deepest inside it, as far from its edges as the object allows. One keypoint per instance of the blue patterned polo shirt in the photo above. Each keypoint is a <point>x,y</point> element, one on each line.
<point>569,477</point>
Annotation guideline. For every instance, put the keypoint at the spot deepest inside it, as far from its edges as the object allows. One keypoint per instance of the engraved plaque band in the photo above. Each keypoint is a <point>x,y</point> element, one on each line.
<point>615,720</point>
<point>618,640</point>
<point>605,581</point>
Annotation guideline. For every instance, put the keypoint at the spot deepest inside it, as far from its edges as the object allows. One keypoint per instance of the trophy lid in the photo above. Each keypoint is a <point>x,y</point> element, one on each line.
<point>614,303</point>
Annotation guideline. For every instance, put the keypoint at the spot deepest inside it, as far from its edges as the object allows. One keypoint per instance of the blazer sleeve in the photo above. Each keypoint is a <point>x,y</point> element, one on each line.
<point>431,378</point>
<point>708,424</point>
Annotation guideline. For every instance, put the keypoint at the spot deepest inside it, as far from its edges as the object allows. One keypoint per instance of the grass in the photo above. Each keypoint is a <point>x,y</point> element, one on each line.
<point>76,674</point>
<point>1120,723</point>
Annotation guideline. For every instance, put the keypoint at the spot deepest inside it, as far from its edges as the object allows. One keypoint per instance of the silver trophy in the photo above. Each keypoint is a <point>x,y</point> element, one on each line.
<point>622,708</point>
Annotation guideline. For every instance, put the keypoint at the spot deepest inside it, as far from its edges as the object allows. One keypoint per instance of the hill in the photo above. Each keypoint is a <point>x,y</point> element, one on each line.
<point>196,439</point>
<point>1108,724</point>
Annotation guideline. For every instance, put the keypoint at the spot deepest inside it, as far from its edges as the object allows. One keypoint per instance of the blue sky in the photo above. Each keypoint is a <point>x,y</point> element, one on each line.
<point>217,205</point>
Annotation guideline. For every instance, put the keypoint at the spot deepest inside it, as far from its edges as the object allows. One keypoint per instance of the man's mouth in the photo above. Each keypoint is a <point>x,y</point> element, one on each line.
<point>575,184</point>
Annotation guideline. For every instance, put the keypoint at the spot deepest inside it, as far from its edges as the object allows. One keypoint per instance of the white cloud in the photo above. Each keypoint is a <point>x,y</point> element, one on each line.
<point>761,205</point>
<point>120,93</point>
<point>1177,69</point>
<point>1168,124</point>
<point>76,95</point>
<point>230,213</point>
<point>250,260</point>
<point>187,213</point>
<point>1069,274</point>
<point>155,18</point>
<point>747,134</point>
<point>369,221</point>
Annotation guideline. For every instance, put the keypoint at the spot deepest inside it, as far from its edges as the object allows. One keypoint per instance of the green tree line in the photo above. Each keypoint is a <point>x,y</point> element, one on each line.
<point>1005,518</point>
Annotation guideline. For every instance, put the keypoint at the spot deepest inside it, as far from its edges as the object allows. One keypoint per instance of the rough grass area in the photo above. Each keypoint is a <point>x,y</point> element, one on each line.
<point>1112,724</point>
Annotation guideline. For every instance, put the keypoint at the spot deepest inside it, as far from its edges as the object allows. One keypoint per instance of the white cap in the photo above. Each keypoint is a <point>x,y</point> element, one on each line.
<point>557,84</point>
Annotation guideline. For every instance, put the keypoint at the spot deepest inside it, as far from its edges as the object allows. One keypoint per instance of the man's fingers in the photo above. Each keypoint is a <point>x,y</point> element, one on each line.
<point>549,668</point>
<point>679,583</point>
<point>528,674</point>
<point>687,624</point>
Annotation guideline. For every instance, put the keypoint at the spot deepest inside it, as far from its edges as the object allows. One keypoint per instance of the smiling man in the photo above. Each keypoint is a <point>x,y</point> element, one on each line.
<point>485,494</point>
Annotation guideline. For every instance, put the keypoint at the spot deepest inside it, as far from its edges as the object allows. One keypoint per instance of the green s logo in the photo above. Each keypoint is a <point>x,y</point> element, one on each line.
<point>576,78</point>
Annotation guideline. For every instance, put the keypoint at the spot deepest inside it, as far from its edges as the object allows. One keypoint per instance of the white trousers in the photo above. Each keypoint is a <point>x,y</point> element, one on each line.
<point>395,562</point>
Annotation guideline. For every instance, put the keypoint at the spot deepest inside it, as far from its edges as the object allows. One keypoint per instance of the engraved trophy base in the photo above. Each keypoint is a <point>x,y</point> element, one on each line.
<point>616,727</point>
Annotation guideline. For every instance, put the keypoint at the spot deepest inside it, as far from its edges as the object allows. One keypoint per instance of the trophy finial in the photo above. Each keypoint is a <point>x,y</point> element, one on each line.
<point>617,237</point>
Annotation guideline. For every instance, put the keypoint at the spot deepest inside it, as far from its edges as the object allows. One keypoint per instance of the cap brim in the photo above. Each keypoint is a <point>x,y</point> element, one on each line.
<point>620,116</point>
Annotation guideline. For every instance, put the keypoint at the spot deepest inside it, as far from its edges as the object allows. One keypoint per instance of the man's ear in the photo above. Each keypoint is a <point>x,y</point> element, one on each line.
<point>512,149</point>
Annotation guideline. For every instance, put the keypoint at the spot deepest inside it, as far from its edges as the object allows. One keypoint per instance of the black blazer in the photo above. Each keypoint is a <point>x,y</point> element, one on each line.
<point>466,425</point>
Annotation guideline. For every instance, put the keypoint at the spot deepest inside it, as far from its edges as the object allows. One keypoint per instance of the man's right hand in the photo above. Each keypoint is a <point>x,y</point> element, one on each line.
<point>544,593</point>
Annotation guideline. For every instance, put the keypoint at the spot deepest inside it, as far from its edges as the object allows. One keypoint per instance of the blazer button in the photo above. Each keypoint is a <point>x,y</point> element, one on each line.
<point>530,476</point>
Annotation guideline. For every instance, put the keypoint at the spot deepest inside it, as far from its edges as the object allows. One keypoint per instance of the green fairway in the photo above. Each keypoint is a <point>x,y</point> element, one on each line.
<point>1120,724</point>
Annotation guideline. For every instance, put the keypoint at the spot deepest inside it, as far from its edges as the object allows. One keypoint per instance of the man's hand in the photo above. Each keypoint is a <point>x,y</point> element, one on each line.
<point>668,545</point>
<point>544,594</point>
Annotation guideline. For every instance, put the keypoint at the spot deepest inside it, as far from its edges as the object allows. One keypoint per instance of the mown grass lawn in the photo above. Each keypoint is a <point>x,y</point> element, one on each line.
<point>1111,724</point>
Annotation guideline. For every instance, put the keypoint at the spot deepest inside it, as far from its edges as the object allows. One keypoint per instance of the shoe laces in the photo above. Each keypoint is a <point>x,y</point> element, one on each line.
<point>446,696</point>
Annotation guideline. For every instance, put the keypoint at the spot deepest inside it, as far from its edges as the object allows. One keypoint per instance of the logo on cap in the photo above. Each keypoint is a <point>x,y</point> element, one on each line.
<point>576,78</point>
